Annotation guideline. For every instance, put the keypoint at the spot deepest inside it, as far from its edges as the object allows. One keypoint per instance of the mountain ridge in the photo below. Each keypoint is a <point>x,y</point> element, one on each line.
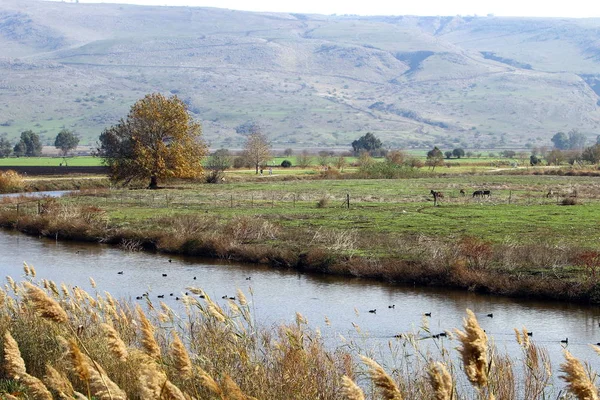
<point>308,80</point>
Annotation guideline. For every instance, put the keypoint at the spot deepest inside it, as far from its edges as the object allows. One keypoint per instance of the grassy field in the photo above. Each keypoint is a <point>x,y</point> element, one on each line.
<point>82,161</point>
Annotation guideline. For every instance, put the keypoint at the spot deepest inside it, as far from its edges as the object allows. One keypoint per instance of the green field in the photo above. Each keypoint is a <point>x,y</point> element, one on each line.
<point>83,161</point>
<point>518,209</point>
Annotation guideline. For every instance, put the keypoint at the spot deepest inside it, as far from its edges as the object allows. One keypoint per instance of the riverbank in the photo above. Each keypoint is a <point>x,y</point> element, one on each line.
<point>519,242</point>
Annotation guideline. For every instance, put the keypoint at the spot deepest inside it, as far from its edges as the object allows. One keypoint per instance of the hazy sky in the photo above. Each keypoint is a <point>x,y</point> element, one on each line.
<point>573,8</point>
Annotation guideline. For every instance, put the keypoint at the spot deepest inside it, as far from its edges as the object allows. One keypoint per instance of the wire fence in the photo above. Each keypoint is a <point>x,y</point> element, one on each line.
<point>265,199</point>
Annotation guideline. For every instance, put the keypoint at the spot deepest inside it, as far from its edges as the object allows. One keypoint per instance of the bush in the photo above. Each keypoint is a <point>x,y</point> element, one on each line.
<point>240,162</point>
<point>569,201</point>
<point>286,163</point>
<point>323,202</point>
<point>11,181</point>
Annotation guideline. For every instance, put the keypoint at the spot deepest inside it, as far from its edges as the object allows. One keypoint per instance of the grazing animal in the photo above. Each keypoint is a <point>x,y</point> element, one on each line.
<point>490,315</point>
<point>164,274</point>
<point>443,334</point>
<point>161,296</point>
<point>138,297</point>
<point>478,193</point>
<point>392,306</point>
<point>566,341</point>
<point>224,297</point>
<point>194,278</point>
<point>462,192</point>
<point>549,194</point>
<point>529,333</point>
<point>487,193</point>
<point>427,314</point>
<point>120,272</point>
<point>436,194</point>
<point>202,296</point>
<point>373,311</point>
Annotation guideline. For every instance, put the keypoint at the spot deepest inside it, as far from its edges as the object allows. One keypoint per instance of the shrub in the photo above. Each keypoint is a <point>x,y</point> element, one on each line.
<point>286,163</point>
<point>11,181</point>
<point>323,202</point>
<point>569,201</point>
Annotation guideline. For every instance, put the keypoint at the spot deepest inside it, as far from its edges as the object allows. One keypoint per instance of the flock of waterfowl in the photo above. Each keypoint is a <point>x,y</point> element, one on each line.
<point>372,311</point>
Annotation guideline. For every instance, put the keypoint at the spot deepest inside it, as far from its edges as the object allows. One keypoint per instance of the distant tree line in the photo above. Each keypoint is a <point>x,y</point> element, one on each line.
<point>30,145</point>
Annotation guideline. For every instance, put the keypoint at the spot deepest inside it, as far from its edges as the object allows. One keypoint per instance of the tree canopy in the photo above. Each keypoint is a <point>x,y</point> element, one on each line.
<point>29,145</point>
<point>368,142</point>
<point>572,141</point>
<point>5,148</point>
<point>158,140</point>
<point>435,157</point>
<point>66,141</point>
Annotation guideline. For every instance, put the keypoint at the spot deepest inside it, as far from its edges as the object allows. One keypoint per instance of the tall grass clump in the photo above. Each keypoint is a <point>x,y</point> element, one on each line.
<point>11,182</point>
<point>63,342</point>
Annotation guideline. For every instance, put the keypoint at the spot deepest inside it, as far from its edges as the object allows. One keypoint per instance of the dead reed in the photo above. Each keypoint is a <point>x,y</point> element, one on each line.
<point>578,381</point>
<point>218,352</point>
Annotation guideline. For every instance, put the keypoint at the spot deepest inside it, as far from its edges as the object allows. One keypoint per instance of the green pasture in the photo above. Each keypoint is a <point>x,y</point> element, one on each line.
<point>518,212</point>
<point>80,161</point>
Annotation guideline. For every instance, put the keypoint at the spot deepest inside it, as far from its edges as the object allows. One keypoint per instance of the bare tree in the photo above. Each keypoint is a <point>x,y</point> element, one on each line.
<point>303,159</point>
<point>257,150</point>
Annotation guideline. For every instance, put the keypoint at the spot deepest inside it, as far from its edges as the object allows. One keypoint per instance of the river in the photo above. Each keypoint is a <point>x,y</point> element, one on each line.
<point>278,294</point>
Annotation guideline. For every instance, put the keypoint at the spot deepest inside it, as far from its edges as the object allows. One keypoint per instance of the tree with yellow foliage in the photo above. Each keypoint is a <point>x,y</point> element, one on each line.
<point>158,140</point>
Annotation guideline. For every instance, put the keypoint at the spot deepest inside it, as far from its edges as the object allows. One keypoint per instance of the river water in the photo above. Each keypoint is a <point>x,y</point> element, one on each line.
<point>278,294</point>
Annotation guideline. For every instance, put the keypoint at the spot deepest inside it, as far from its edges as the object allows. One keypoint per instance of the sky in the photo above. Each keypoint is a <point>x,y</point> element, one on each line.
<point>525,8</point>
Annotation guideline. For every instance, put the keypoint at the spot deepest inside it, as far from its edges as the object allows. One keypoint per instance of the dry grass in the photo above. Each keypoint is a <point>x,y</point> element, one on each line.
<point>92,346</point>
<point>11,182</point>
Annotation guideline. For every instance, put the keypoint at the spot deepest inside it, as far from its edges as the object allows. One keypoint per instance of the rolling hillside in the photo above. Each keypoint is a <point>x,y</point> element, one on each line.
<point>308,80</point>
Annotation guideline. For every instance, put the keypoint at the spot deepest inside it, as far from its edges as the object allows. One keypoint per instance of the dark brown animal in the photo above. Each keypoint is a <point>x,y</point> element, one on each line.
<point>478,193</point>
<point>462,192</point>
<point>437,195</point>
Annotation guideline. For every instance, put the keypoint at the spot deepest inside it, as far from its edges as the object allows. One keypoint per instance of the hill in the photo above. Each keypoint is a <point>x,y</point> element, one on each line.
<point>308,80</point>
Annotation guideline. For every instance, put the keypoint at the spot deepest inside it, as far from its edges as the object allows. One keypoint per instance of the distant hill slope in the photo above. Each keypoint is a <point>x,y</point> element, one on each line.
<point>308,80</point>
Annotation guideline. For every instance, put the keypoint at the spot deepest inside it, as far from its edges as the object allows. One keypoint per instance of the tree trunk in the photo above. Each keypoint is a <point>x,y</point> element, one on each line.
<point>153,182</point>
<point>256,168</point>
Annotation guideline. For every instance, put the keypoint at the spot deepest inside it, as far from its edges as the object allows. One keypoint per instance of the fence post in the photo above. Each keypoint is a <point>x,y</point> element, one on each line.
<point>294,200</point>
<point>509,196</point>
<point>252,201</point>
<point>231,202</point>
<point>39,207</point>
<point>17,209</point>
<point>272,201</point>
<point>348,200</point>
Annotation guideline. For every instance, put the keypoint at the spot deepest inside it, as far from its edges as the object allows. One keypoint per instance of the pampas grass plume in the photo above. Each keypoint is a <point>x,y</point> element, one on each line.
<point>58,382</point>
<point>13,363</point>
<point>578,381</point>
<point>181,358</point>
<point>474,351</point>
<point>440,380</point>
<point>148,341</point>
<point>44,305</point>
<point>382,380</point>
<point>115,344</point>
<point>350,390</point>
